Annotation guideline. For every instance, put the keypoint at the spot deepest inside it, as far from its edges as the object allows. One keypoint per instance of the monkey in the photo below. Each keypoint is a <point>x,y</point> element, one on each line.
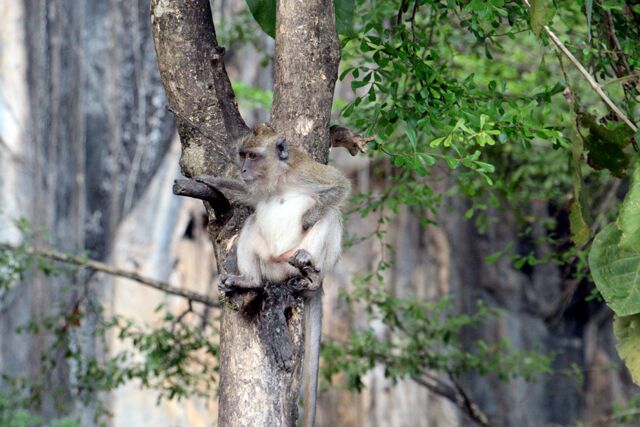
<point>294,232</point>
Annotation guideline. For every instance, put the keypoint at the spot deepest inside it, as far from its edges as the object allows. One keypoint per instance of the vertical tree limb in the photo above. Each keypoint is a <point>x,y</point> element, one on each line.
<point>197,86</point>
<point>305,72</point>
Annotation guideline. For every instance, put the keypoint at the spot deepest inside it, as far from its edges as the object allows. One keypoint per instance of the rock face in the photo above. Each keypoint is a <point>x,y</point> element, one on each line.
<point>85,150</point>
<point>92,130</point>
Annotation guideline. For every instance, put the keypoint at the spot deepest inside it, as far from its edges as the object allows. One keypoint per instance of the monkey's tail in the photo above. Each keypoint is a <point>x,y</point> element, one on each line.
<point>312,332</point>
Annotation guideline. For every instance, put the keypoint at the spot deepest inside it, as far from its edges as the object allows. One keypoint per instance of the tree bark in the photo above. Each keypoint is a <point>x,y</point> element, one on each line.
<point>305,72</point>
<point>261,347</point>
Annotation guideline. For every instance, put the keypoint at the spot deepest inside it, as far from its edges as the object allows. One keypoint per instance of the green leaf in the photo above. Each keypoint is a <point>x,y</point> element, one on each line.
<point>629,219</point>
<point>264,12</point>
<point>577,223</point>
<point>538,15</point>
<point>627,332</point>
<point>616,271</point>
<point>436,142</point>
<point>579,228</point>
<point>344,16</point>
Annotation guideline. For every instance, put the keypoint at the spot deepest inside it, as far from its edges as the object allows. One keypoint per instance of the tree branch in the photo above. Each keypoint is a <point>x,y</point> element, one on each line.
<point>197,86</point>
<point>197,190</point>
<point>592,82</point>
<point>114,271</point>
<point>304,73</point>
<point>456,395</point>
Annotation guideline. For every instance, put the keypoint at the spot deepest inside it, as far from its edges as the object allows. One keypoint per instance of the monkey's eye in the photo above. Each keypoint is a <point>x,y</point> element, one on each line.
<point>251,156</point>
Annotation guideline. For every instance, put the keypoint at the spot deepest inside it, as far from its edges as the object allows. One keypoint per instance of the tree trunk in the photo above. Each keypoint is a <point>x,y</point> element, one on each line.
<point>257,386</point>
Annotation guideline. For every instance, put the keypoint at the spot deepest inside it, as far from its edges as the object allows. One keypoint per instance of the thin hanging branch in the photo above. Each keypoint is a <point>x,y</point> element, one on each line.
<point>592,82</point>
<point>114,271</point>
<point>456,394</point>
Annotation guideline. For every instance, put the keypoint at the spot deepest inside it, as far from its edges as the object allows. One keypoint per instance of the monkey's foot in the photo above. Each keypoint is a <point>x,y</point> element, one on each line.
<point>230,283</point>
<point>303,284</point>
<point>343,137</point>
<point>302,260</point>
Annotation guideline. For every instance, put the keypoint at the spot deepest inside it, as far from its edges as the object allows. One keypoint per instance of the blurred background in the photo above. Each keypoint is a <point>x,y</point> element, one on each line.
<point>88,155</point>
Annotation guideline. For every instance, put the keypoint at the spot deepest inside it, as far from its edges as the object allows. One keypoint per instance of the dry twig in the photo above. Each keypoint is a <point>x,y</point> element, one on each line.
<point>114,271</point>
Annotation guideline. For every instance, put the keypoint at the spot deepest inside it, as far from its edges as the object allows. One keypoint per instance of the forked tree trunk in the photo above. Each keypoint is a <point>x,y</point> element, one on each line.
<point>257,388</point>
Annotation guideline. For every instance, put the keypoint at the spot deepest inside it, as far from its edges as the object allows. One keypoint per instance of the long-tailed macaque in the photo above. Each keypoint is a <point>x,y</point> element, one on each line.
<point>295,231</point>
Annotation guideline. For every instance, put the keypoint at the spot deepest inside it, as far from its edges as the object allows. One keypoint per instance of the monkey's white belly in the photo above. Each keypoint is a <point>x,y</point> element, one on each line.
<point>279,219</point>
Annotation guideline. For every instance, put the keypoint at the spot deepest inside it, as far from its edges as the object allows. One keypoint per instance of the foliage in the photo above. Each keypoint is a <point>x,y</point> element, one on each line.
<point>511,133</point>
<point>626,415</point>
<point>14,414</point>
<point>616,271</point>
<point>253,97</point>
<point>422,337</point>
<point>176,356</point>
<point>615,265</point>
<point>627,332</point>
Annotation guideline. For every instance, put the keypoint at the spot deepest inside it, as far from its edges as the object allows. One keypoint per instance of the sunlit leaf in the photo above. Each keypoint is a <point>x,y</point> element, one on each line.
<point>616,271</point>
<point>577,223</point>
<point>629,219</point>
<point>538,15</point>
<point>579,228</point>
<point>627,332</point>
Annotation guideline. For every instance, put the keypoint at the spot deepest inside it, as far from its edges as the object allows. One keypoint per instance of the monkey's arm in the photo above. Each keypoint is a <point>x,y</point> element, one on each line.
<point>328,197</point>
<point>234,190</point>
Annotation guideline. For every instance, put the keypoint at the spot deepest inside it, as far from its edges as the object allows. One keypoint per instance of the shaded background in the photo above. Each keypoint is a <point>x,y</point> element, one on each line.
<point>89,151</point>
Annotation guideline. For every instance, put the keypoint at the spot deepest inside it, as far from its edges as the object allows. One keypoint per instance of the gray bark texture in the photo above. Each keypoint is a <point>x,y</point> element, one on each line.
<point>261,350</point>
<point>305,71</point>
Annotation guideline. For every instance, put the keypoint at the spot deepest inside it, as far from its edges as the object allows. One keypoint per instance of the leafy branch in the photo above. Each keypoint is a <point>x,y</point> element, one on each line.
<point>588,77</point>
<point>109,269</point>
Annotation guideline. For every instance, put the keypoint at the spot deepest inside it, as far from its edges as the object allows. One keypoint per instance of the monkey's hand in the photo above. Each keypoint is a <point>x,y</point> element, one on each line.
<point>310,217</point>
<point>301,259</point>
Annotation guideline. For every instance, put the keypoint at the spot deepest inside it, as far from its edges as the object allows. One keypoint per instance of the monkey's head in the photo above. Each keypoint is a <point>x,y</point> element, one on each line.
<point>264,155</point>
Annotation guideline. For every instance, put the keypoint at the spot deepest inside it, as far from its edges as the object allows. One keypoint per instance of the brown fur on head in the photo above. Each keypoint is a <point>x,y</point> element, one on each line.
<point>265,158</point>
<point>269,161</point>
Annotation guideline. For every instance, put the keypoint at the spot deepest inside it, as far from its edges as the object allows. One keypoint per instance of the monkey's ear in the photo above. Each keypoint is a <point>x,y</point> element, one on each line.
<point>282,148</point>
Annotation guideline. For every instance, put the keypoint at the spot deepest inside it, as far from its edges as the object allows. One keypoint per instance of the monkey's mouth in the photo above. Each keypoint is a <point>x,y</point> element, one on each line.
<point>251,178</point>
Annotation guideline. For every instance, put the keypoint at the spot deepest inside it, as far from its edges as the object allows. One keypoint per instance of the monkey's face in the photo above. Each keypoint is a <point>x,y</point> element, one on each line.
<point>252,165</point>
<point>264,164</point>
